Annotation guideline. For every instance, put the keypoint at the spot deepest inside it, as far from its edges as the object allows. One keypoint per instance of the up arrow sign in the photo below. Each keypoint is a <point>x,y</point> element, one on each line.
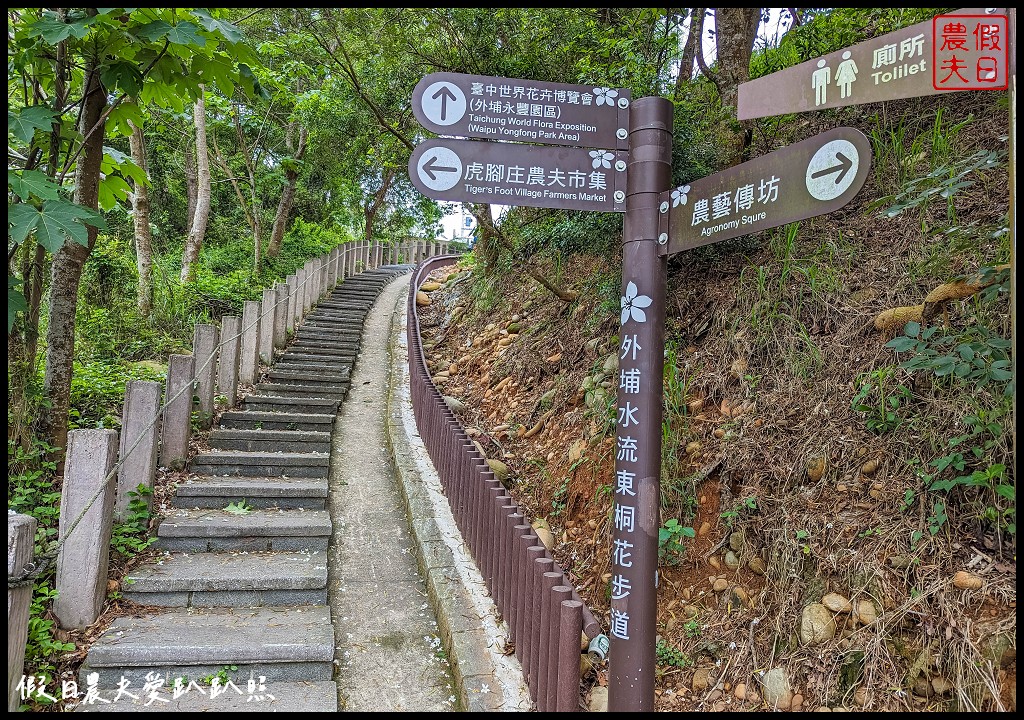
<point>445,95</point>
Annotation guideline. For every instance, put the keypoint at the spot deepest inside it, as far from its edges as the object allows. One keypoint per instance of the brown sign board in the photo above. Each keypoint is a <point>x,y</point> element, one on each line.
<point>900,64</point>
<point>811,177</point>
<point>495,108</point>
<point>517,174</point>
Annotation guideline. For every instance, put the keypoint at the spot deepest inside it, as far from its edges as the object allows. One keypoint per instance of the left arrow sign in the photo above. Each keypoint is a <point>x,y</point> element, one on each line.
<point>439,168</point>
<point>430,167</point>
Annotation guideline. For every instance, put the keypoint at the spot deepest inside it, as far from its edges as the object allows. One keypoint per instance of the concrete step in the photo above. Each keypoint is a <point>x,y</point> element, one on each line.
<point>261,464</point>
<point>200,531</point>
<point>329,347</point>
<point>270,440</point>
<point>333,336</point>
<point>231,579</point>
<point>257,420</point>
<point>280,643</point>
<point>299,363</point>
<point>300,697</point>
<point>335,391</point>
<point>258,492</point>
<point>288,377</point>
<point>291,404</point>
<point>318,353</point>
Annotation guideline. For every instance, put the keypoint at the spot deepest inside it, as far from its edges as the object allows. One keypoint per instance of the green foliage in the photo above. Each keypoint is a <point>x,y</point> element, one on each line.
<point>670,541</point>
<point>671,657</point>
<point>975,355</point>
<point>943,181</point>
<point>97,391</point>
<point>882,399</point>
<point>239,507</point>
<point>129,536</point>
<point>43,647</point>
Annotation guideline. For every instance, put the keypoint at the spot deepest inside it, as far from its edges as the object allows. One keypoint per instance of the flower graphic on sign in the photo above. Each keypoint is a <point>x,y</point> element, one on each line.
<point>679,195</point>
<point>632,304</point>
<point>605,96</point>
<point>602,158</point>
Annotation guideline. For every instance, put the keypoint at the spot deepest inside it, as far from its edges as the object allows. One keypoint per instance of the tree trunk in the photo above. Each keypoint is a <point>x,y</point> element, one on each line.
<point>690,49</point>
<point>372,208</point>
<point>68,262</point>
<point>486,239</point>
<point>735,29</point>
<point>191,184</point>
<point>284,207</point>
<point>197,232</point>
<point>143,234</point>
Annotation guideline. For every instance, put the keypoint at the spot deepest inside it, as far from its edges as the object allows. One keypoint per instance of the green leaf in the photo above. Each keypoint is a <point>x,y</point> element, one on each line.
<point>230,33</point>
<point>15,301</point>
<point>53,31</point>
<point>24,123</point>
<point>123,76</point>
<point>184,33</point>
<point>911,329</point>
<point>902,344</point>
<point>966,352</point>
<point>22,219</point>
<point>113,189</point>
<point>32,182</point>
<point>61,220</point>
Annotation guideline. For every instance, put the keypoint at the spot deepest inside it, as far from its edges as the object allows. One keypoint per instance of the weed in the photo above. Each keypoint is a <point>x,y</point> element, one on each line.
<point>129,537</point>
<point>691,628</point>
<point>671,657</point>
<point>881,399</point>
<point>239,507</point>
<point>670,541</point>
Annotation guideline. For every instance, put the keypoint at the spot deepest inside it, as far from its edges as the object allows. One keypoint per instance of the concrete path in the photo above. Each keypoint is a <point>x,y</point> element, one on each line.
<point>388,648</point>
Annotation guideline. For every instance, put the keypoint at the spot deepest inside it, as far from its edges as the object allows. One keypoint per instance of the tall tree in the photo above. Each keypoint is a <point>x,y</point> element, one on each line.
<point>141,221</point>
<point>291,178</point>
<point>197,227</point>
<point>735,32</point>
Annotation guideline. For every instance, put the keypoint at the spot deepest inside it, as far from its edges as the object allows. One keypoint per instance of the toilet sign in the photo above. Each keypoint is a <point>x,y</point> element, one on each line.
<point>964,50</point>
<point>812,177</point>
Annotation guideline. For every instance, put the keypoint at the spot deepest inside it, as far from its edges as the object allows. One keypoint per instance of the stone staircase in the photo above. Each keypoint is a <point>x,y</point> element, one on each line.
<point>243,595</point>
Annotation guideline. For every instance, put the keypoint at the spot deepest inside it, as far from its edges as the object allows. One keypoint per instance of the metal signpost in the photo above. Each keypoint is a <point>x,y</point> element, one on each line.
<point>965,50</point>
<point>595,124</point>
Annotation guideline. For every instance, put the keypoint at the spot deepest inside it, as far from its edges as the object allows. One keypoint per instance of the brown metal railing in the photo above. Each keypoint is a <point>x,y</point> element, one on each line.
<point>544,613</point>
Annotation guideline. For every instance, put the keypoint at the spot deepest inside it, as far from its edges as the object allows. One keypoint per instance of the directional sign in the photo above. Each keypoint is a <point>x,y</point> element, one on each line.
<point>494,108</point>
<point>516,174</point>
<point>924,59</point>
<point>812,177</point>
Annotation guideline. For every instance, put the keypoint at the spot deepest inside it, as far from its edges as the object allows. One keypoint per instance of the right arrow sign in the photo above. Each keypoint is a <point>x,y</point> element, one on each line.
<point>812,177</point>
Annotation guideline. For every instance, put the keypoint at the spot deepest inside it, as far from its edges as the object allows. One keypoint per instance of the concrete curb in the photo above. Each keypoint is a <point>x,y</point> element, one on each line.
<point>486,679</point>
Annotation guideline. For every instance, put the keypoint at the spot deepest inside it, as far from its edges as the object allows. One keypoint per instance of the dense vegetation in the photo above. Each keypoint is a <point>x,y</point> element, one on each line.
<point>165,165</point>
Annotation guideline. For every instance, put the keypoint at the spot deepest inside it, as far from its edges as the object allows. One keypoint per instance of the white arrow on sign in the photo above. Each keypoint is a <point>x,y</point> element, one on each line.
<point>439,169</point>
<point>443,103</point>
<point>832,169</point>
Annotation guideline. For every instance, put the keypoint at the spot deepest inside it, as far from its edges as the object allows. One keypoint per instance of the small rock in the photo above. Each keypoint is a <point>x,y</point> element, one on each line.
<point>865,612</point>
<point>720,584</point>
<point>869,467</point>
<point>740,596</point>
<point>692,448</point>
<point>777,692</point>
<point>798,702</point>
<point>823,708</point>
<point>548,397</point>
<point>967,581</point>
<point>816,625</point>
<point>705,528</point>
<point>941,685</point>
<point>923,688</point>
<point>454,404</point>
<point>611,363</point>
<point>731,561</point>
<point>422,299</point>
<point>430,286</point>
<point>545,537</point>
<point>554,358</point>
<point>576,451</point>
<point>816,468</point>
<point>718,706</point>
<point>876,494</point>
<point>738,368</point>
<point>499,469</point>
<point>860,696</point>
<point>598,699</point>
<point>113,586</point>
<point>756,565</point>
<point>837,603</point>
<point>714,562</point>
<point>701,679</point>
<point>689,611</point>
<point>841,488</point>
<point>719,433</point>
<point>740,691</point>
<point>714,695</point>
<point>513,327</point>
<point>900,562</point>
<point>592,344</point>
<point>736,541</point>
